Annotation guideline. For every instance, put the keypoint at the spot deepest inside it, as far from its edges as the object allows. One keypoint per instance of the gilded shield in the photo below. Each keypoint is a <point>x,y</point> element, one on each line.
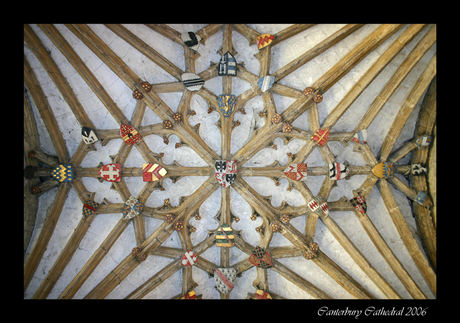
<point>226,104</point>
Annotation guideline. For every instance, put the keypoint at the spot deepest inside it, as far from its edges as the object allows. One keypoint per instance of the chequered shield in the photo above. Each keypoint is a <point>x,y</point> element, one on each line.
<point>226,104</point>
<point>359,203</point>
<point>63,173</point>
<point>225,172</point>
<point>189,258</point>
<point>261,258</point>
<point>224,279</point>
<point>132,207</point>
<point>89,207</point>
<point>297,172</point>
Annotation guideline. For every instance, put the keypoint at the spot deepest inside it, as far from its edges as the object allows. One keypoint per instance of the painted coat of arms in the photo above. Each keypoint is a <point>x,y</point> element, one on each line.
<point>297,172</point>
<point>261,258</point>
<point>266,82</point>
<point>110,172</point>
<point>224,279</point>
<point>191,39</point>
<point>359,203</point>
<point>383,170</point>
<point>88,135</point>
<point>189,258</point>
<point>260,294</point>
<point>129,134</point>
<point>227,65</point>
<point>423,142</point>
<point>319,206</point>
<point>89,207</point>
<point>132,208</point>
<point>321,136</point>
<point>152,172</point>
<point>225,237</point>
<point>63,173</point>
<point>225,172</point>
<point>360,137</point>
<point>226,104</point>
<point>264,40</point>
<point>192,81</point>
<point>190,295</point>
<point>337,171</point>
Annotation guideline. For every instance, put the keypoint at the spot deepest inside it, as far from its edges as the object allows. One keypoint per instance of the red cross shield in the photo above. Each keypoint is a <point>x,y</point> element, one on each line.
<point>110,172</point>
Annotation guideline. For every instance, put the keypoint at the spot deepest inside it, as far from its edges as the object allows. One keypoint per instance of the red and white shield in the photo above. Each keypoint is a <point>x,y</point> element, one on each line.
<point>337,171</point>
<point>321,136</point>
<point>297,172</point>
<point>110,172</point>
<point>225,172</point>
<point>189,258</point>
<point>319,206</point>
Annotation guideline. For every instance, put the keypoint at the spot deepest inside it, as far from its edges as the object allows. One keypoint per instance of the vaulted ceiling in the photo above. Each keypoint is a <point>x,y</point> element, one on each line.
<point>332,134</point>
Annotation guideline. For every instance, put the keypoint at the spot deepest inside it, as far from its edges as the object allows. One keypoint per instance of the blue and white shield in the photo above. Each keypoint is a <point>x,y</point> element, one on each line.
<point>423,142</point>
<point>226,104</point>
<point>227,65</point>
<point>132,207</point>
<point>266,82</point>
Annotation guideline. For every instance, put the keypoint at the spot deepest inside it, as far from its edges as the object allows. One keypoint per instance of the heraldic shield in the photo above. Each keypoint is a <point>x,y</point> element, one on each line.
<point>297,172</point>
<point>227,65</point>
<point>129,134</point>
<point>192,81</point>
<point>337,171</point>
<point>383,170</point>
<point>225,172</point>
<point>224,279</point>
<point>264,40</point>
<point>321,136</point>
<point>152,172</point>
<point>63,173</point>
<point>227,104</point>
<point>111,172</point>
<point>359,203</point>
<point>225,237</point>
<point>132,207</point>
<point>261,258</point>
<point>189,258</point>
<point>89,207</point>
<point>319,206</point>
<point>88,135</point>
